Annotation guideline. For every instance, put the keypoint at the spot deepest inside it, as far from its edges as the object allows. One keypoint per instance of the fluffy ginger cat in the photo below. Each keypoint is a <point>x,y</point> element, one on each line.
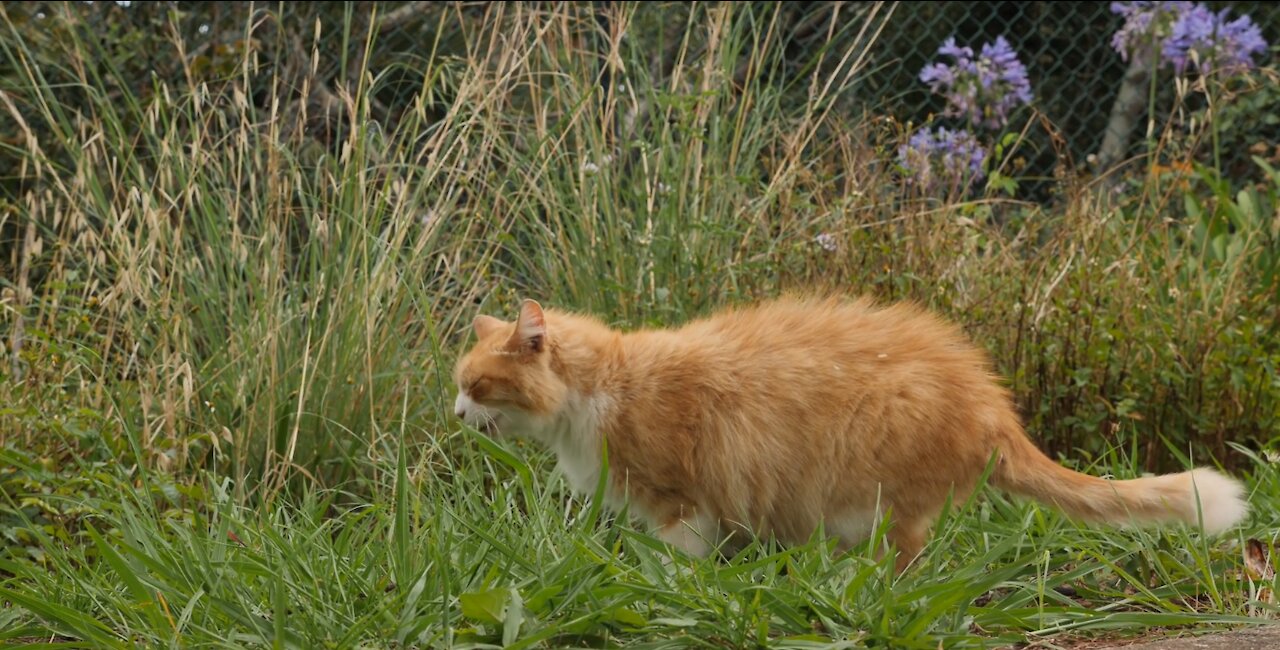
<point>771,420</point>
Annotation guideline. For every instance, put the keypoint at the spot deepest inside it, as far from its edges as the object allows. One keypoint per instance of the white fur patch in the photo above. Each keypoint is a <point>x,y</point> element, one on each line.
<point>573,434</point>
<point>1222,503</point>
<point>471,412</point>
<point>463,404</point>
<point>576,439</point>
<point>854,526</point>
<point>696,535</point>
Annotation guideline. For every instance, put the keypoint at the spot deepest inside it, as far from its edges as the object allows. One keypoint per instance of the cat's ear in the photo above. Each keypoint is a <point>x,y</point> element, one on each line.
<point>531,329</point>
<point>486,325</point>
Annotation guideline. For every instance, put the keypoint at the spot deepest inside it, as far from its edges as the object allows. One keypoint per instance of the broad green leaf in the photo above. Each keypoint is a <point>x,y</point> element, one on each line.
<point>485,606</point>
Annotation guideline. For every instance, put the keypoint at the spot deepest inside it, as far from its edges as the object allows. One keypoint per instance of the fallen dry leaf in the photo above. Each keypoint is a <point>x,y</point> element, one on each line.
<point>1257,563</point>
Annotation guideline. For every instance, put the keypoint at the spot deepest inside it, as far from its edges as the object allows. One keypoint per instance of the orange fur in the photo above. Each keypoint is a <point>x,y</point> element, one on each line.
<point>775,419</point>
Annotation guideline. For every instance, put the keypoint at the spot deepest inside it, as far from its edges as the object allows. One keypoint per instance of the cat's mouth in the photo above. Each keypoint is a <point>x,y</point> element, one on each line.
<point>486,424</point>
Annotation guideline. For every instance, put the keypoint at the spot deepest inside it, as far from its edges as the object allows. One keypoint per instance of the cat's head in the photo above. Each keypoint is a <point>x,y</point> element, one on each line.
<point>505,381</point>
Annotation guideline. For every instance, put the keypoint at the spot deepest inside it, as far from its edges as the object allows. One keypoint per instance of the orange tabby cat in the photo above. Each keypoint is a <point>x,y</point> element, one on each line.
<point>775,419</point>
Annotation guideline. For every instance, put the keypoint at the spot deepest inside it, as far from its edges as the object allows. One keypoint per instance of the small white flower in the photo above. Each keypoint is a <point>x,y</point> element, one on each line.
<point>592,167</point>
<point>663,188</point>
<point>827,242</point>
<point>204,29</point>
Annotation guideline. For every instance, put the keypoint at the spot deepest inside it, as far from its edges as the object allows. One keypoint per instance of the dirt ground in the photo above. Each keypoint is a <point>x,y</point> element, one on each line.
<point>1255,638</point>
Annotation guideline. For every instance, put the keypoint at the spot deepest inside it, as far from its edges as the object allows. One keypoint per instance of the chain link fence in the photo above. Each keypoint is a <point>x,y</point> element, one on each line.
<point>1074,71</point>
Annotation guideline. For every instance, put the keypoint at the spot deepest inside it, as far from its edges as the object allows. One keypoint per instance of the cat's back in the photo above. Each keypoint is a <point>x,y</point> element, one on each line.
<point>829,326</point>
<point>807,350</point>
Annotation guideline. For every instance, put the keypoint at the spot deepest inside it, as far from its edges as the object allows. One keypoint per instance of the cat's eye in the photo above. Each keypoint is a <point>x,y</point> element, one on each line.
<point>478,388</point>
<point>490,390</point>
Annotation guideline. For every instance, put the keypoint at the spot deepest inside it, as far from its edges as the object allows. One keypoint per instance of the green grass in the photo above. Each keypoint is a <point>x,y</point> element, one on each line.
<point>225,399</point>
<point>490,552</point>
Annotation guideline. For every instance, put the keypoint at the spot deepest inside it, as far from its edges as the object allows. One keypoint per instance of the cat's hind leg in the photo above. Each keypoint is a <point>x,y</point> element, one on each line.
<point>907,537</point>
<point>694,534</point>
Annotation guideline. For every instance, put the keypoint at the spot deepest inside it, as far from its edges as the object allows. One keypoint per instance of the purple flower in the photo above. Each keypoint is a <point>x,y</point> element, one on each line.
<point>1187,33</point>
<point>1006,70</point>
<point>1146,24</point>
<point>1212,43</point>
<point>984,89</point>
<point>942,157</point>
<point>949,48</point>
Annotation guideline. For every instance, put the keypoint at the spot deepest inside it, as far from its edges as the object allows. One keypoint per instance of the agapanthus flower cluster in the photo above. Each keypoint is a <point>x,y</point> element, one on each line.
<point>943,157</point>
<point>1188,33</point>
<point>982,89</point>
<point>1146,25</point>
<point>1212,42</point>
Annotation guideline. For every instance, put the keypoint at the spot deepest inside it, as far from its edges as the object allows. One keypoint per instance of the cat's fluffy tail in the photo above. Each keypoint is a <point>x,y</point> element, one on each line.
<point>1200,497</point>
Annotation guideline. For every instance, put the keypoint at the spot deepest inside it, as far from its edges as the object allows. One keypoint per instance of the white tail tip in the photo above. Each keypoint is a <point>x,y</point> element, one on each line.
<point>1222,503</point>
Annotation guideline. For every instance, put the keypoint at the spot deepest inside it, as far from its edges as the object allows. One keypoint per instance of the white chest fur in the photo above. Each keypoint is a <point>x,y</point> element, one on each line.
<point>576,439</point>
